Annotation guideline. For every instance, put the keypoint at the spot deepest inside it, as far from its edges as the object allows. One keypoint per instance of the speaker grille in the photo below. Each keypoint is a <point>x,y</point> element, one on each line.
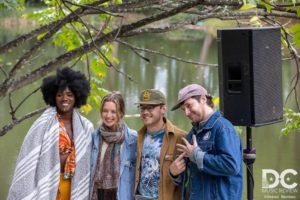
<point>267,76</point>
<point>250,81</point>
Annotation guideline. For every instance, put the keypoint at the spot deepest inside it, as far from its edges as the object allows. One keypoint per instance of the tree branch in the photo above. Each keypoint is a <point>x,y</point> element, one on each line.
<point>12,112</point>
<point>19,105</point>
<point>166,55</point>
<point>14,84</point>
<point>33,49</point>
<point>165,8</point>
<point>45,28</point>
<point>9,126</point>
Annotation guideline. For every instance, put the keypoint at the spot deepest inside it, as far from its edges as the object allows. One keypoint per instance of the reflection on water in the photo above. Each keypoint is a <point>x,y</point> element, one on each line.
<point>161,79</point>
<point>169,76</point>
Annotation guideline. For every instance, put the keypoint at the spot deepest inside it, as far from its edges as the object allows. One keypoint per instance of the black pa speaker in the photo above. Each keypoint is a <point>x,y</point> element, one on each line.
<point>250,75</point>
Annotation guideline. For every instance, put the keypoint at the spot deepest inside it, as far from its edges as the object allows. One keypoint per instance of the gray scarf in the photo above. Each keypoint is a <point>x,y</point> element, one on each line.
<point>107,171</point>
<point>111,136</point>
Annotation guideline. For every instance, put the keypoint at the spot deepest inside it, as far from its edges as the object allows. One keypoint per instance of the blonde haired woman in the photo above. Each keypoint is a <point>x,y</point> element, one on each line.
<point>113,158</point>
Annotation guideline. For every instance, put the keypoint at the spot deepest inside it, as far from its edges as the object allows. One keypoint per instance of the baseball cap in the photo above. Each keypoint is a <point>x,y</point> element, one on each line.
<point>152,97</point>
<point>188,92</point>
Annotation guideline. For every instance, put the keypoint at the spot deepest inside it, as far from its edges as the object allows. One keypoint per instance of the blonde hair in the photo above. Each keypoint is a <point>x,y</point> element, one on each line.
<point>117,98</point>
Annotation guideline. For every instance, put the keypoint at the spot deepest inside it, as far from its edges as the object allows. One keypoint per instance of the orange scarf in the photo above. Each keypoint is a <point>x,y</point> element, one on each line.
<point>66,146</point>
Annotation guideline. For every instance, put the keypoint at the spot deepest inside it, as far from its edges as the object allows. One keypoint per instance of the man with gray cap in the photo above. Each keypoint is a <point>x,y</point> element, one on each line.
<point>213,150</point>
<point>156,149</point>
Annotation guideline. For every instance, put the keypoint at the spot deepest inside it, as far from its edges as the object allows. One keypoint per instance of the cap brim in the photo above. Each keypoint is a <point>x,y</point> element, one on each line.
<point>180,102</point>
<point>175,107</point>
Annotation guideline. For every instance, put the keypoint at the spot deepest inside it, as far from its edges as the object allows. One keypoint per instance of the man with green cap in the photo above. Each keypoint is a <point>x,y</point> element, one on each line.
<point>156,149</point>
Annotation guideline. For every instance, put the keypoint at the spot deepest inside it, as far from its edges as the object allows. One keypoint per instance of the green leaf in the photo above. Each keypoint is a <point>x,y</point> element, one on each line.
<point>298,11</point>
<point>296,39</point>
<point>86,108</point>
<point>284,42</point>
<point>268,7</point>
<point>295,28</point>
<point>289,8</point>
<point>16,5</point>
<point>41,35</point>
<point>292,122</point>
<point>248,6</point>
<point>238,129</point>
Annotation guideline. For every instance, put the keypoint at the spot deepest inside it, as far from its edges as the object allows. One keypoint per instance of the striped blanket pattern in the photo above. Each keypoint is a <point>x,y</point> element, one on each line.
<point>37,170</point>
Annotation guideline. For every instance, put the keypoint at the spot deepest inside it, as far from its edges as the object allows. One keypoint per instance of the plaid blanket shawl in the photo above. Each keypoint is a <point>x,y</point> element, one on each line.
<point>37,170</point>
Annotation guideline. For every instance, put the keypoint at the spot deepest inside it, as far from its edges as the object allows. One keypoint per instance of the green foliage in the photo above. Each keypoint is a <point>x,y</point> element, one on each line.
<point>98,69</point>
<point>16,5</point>
<point>250,4</point>
<point>68,38</point>
<point>298,11</point>
<point>292,122</point>
<point>42,16</point>
<point>74,35</point>
<point>296,30</point>
<point>267,4</point>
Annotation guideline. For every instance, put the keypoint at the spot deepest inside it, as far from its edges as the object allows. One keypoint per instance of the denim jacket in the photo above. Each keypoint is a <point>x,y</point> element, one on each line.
<point>127,162</point>
<point>216,165</point>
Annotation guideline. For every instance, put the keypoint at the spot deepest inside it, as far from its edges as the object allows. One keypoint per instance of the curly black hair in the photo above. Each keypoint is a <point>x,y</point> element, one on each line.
<point>75,80</point>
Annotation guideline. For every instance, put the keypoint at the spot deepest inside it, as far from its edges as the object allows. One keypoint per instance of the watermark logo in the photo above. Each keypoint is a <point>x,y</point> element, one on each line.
<point>279,185</point>
<point>278,178</point>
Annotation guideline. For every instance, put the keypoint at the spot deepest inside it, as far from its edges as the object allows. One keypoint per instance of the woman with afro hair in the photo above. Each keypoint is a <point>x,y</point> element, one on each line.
<point>54,160</point>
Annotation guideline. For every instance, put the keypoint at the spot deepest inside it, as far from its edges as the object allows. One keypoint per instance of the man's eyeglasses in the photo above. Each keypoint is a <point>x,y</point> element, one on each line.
<point>150,108</point>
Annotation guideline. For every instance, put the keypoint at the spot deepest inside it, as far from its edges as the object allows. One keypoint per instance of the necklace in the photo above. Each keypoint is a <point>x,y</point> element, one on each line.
<point>155,133</point>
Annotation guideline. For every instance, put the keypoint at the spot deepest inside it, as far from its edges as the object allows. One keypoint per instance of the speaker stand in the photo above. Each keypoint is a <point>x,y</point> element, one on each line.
<point>249,155</point>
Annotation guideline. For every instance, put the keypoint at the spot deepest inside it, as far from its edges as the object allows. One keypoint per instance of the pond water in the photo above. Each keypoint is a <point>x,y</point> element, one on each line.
<point>273,152</point>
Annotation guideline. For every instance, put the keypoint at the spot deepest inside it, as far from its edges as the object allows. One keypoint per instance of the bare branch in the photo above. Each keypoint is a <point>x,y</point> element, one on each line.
<point>192,21</point>
<point>92,7</point>
<point>11,84</point>
<point>45,28</point>
<point>166,55</point>
<point>282,5</point>
<point>123,73</point>
<point>12,112</point>
<point>277,9</point>
<point>34,91</point>
<point>109,64</point>
<point>221,9</point>
<point>77,60</point>
<point>88,68</point>
<point>23,38</point>
<point>33,49</point>
<point>9,126</point>
<point>4,72</point>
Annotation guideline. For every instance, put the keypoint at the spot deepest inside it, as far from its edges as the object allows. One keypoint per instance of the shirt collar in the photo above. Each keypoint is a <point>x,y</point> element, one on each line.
<point>199,125</point>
